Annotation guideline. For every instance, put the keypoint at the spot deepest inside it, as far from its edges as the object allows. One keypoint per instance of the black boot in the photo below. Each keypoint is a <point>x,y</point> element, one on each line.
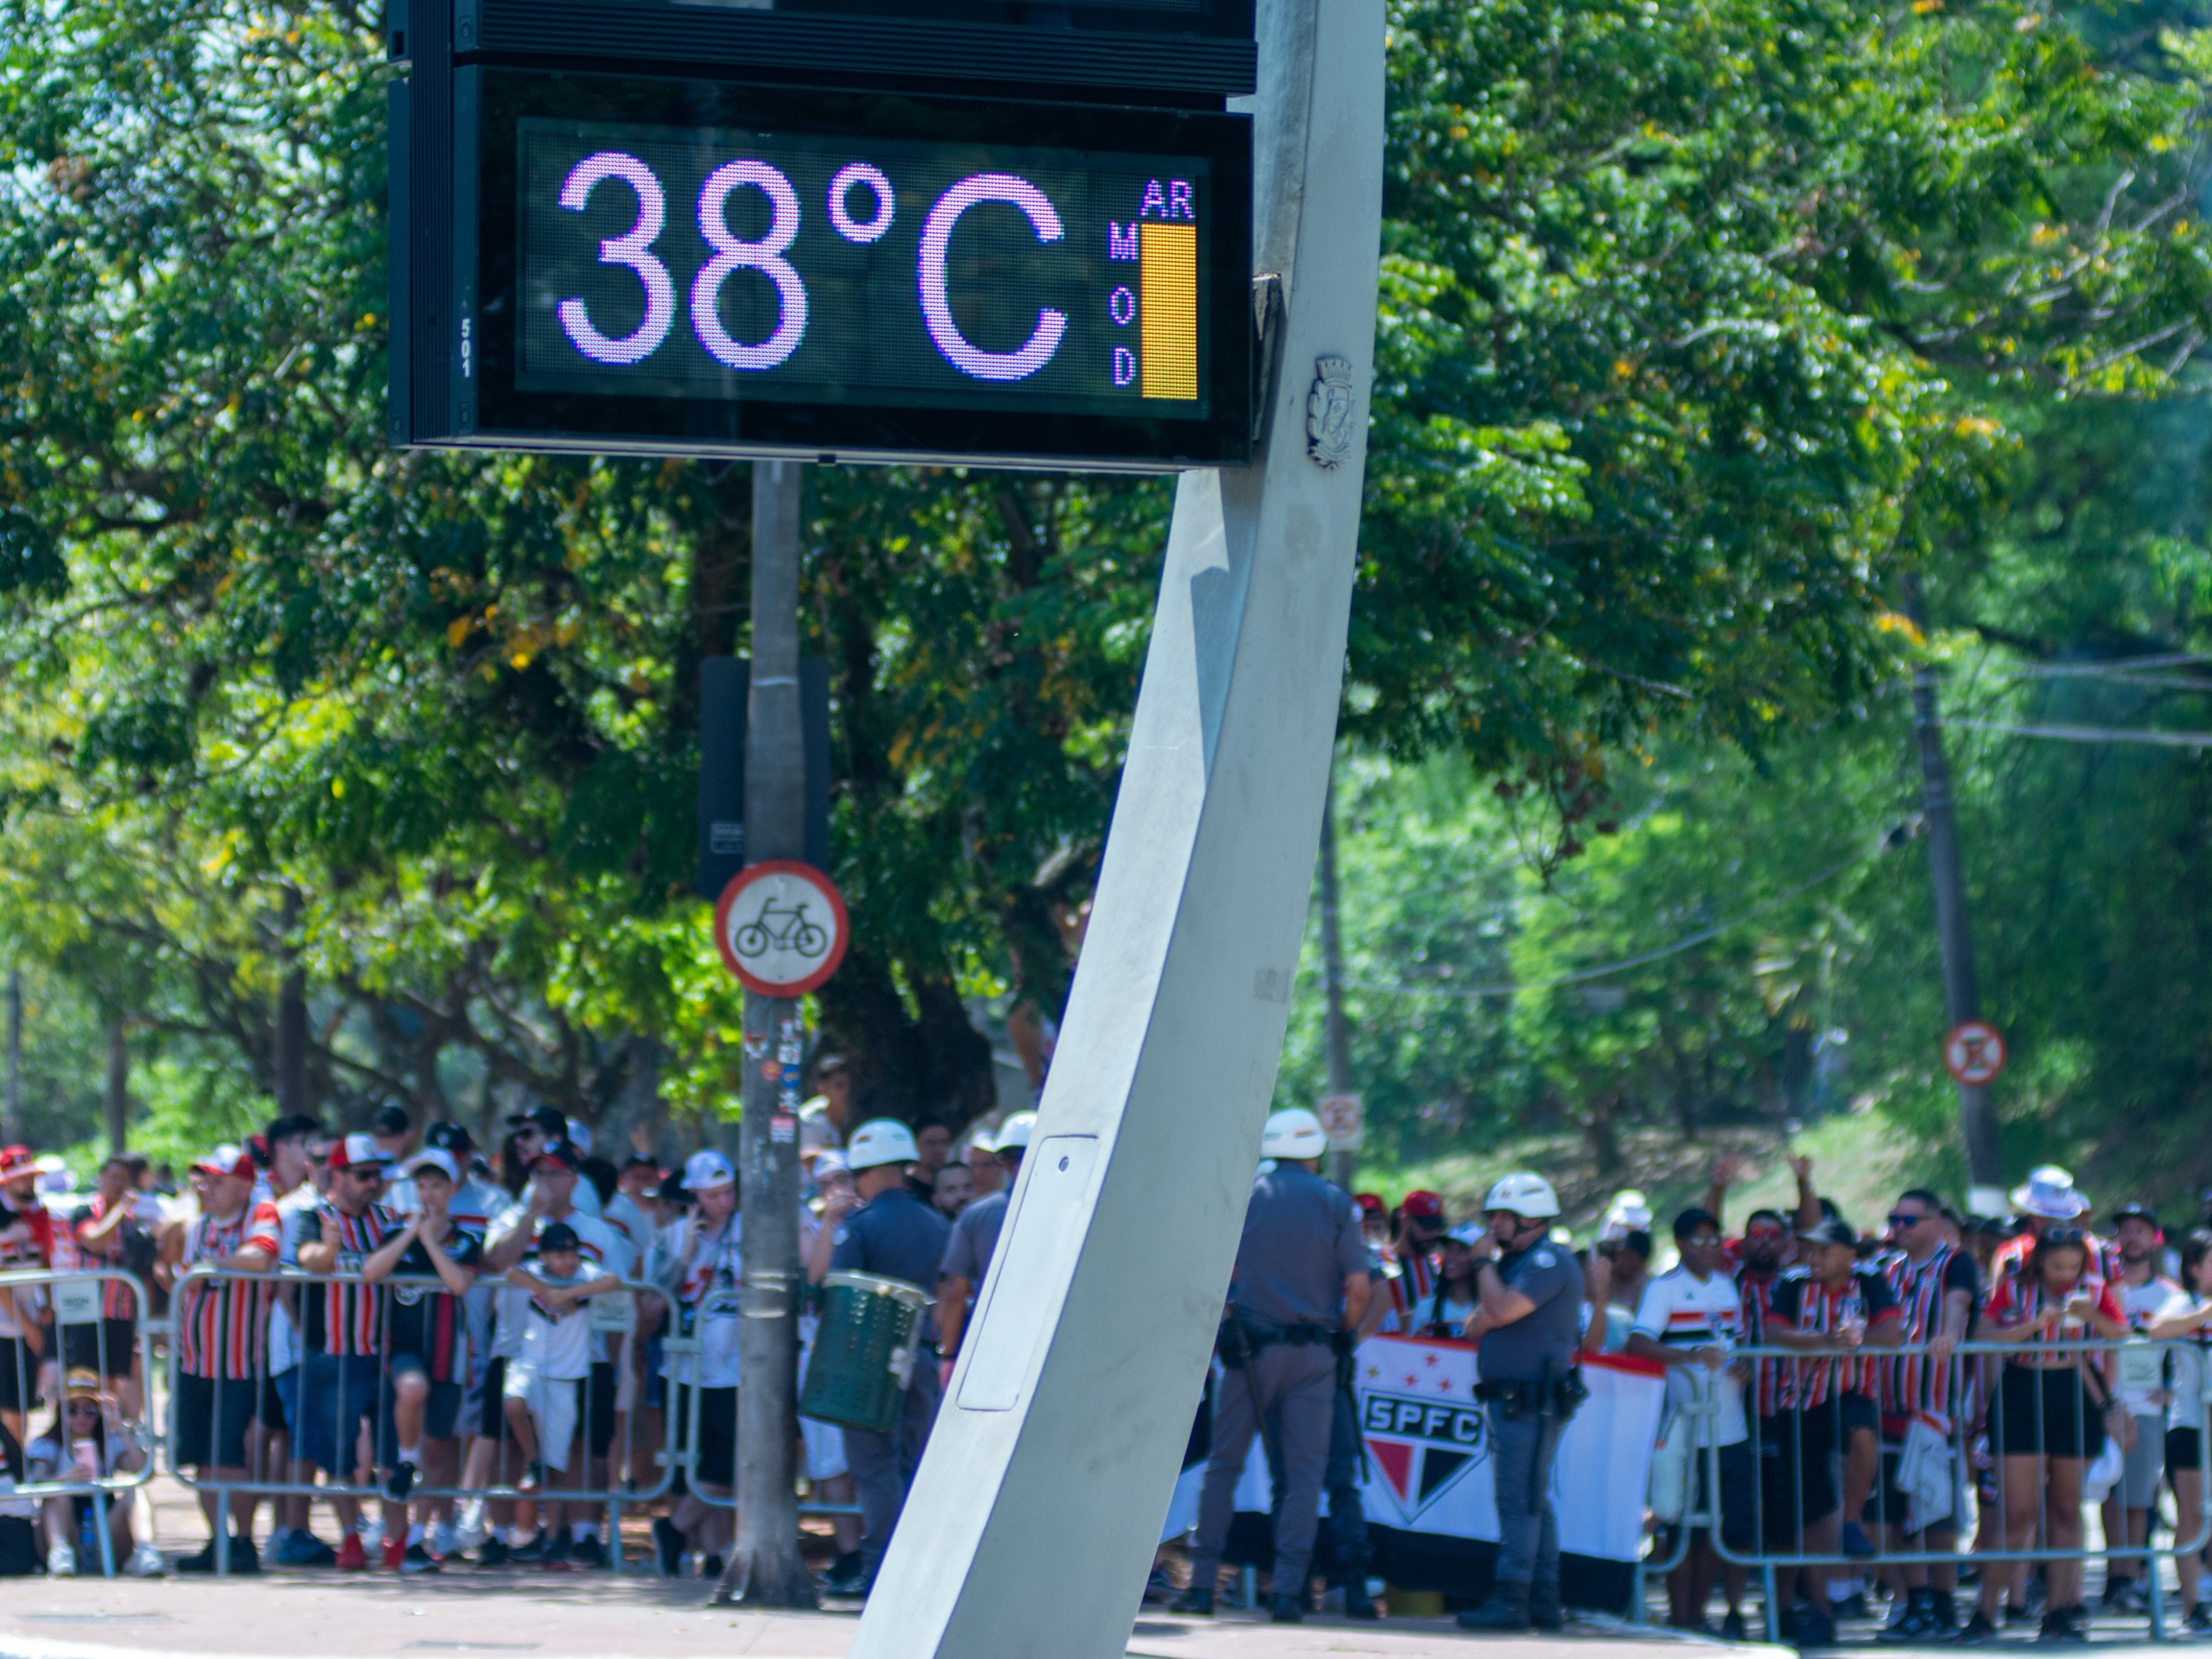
<point>1507,1609</point>
<point>1544,1612</point>
<point>1358,1604</point>
<point>1286,1610</point>
<point>1196,1602</point>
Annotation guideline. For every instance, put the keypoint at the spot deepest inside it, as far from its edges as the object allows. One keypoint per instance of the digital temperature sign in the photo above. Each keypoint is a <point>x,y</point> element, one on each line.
<point>671,267</point>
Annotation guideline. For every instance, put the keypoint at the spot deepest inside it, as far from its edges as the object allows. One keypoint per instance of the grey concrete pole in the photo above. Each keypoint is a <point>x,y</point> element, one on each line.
<point>291,1017</point>
<point>118,1086</point>
<point>1962,1001</point>
<point>764,1568</point>
<point>1034,1517</point>
<point>13,1130</point>
<point>1343,1166</point>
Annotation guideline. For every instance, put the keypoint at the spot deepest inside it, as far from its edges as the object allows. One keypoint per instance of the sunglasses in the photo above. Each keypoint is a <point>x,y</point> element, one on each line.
<point>2064,1235</point>
<point>1764,1231</point>
<point>1700,1242</point>
<point>1898,1218</point>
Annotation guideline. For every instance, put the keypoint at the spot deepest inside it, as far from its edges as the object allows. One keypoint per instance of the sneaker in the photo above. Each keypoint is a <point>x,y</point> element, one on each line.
<point>558,1555</point>
<point>2059,1625</point>
<point>2128,1598</point>
<point>471,1532</point>
<point>846,1575</point>
<point>145,1562</point>
<point>417,1559</point>
<point>668,1549</point>
<point>395,1553</point>
<point>298,1547</point>
<point>493,1552</point>
<point>1855,1606</point>
<point>1159,1588</point>
<point>1855,1542</point>
<point>243,1558</point>
<point>445,1541</point>
<point>400,1482</point>
<point>530,1554</point>
<point>352,1557</point>
<point>1978,1632</point>
<point>1816,1630</point>
<point>1733,1628</point>
<point>2199,1621</point>
<point>201,1562</point>
<point>589,1551</point>
<point>372,1532</point>
<point>61,1562</point>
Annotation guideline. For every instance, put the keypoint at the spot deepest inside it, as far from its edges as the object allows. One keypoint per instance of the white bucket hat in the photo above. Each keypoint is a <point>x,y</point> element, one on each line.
<point>2051,1193</point>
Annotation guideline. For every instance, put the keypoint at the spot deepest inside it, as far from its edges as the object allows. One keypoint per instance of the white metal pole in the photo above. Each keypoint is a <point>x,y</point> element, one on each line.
<point>1033,1519</point>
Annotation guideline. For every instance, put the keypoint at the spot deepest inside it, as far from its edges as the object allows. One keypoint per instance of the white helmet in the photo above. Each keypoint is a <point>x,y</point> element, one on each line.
<point>880,1141</point>
<point>1293,1132</point>
<point>1015,1131</point>
<point>1525,1194</point>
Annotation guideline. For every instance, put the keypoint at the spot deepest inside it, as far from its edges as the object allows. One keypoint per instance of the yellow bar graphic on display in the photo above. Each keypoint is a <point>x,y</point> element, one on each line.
<point>1168,311</point>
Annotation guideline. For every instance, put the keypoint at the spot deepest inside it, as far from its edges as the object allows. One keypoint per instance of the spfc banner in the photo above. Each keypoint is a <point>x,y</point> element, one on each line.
<point>1427,1437</point>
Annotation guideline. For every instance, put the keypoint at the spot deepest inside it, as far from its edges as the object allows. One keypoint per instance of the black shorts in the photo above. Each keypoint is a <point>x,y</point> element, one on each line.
<point>105,1347</point>
<point>595,1405</point>
<point>1823,1433</point>
<point>494,1427</point>
<point>208,1419</point>
<point>441,1410</point>
<point>718,1430</point>
<point>1738,1505</point>
<point>271,1410</point>
<point>2045,1411</point>
<point>19,1374</point>
<point>2183,1455</point>
<point>1775,1444</point>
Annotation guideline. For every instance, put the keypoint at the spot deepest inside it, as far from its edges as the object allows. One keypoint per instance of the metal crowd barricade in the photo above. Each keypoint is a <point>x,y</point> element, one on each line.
<point>69,1306</point>
<point>1974,1379</point>
<point>1680,1531</point>
<point>285,1286</point>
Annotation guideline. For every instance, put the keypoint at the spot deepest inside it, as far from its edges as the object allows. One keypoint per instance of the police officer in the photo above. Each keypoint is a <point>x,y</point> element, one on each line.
<point>1529,1321</point>
<point>894,1235</point>
<point>975,1238</point>
<point>1301,1276</point>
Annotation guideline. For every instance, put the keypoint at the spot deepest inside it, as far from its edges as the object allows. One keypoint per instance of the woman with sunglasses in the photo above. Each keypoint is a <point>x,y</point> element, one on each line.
<point>2187,1317</point>
<point>2047,1420</point>
<point>87,1443</point>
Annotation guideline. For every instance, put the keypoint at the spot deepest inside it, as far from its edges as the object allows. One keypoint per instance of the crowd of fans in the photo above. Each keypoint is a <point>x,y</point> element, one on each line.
<point>493,1326</point>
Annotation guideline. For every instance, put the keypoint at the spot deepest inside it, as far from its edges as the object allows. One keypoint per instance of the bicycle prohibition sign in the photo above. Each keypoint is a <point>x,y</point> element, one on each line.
<point>781,927</point>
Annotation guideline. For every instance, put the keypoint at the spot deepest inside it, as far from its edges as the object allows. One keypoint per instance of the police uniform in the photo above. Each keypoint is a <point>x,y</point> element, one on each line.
<point>1525,1421</point>
<point>1302,1241</point>
<point>893,1235</point>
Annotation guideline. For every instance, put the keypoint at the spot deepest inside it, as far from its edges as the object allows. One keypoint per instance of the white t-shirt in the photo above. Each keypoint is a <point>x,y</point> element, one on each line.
<point>2143,1304</point>
<point>706,1290</point>
<point>1684,1311</point>
<point>594,1240</point>
<point>558,1345</point>
<point>2186,1409</point>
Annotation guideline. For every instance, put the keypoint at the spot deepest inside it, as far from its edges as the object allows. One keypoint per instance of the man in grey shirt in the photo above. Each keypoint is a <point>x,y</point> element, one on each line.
<point>1301,1277</point>
<point>976,1240</point>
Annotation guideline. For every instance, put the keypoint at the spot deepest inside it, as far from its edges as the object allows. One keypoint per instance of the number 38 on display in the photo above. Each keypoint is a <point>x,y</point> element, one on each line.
<point>857,184</point>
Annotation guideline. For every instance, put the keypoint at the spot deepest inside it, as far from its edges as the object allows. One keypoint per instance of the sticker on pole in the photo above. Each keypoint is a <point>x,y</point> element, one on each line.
<point>781,928</point>
<point>1974,1053</point>
<point>1343,1119</point>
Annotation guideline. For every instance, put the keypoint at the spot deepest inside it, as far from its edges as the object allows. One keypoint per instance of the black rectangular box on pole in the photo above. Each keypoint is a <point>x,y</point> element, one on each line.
<point>724,684</point>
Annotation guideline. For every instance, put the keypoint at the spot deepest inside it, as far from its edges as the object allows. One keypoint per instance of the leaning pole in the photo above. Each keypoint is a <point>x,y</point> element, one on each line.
<point>1034,1515</point>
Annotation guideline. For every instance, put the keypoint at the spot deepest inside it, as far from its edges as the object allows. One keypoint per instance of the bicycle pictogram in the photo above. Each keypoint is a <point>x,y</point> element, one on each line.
<point>779,927</point>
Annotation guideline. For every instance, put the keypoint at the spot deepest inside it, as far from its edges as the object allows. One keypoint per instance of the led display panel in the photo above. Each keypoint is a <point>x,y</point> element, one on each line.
<point>665,266</point>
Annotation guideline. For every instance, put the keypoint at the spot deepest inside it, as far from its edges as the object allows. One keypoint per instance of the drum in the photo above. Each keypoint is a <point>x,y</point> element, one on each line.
<point>864,1351</point>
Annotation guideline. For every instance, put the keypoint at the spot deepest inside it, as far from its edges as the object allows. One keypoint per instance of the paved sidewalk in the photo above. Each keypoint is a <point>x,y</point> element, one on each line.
<point>602,1617</point>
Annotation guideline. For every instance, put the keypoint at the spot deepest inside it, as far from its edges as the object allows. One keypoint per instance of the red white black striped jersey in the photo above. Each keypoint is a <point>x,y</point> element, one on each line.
<point>219,1319</point>
<point>346,1319</point>
<point>1913,1383</point>
<point>1774,1384</point>
<point>2016,1301</point>
<point>116,1299</point>
<point>1802,1303</point>
<point>1414,1284</point>
<point>432,1325</point>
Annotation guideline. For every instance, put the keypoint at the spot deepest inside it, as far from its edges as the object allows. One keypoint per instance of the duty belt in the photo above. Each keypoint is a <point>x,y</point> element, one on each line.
<point>1241,1338</point>
<point>1515,1397</point>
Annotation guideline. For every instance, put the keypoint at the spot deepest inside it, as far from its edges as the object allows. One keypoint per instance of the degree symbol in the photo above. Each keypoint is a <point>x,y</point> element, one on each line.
<point>840,189</point>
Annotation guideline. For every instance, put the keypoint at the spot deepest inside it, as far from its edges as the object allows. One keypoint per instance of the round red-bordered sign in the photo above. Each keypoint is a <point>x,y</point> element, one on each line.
<point>1974,1053</point>
<point>781,927</point>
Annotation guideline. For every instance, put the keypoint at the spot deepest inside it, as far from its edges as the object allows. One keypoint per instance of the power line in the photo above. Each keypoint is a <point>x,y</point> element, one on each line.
<point>1894,838</point>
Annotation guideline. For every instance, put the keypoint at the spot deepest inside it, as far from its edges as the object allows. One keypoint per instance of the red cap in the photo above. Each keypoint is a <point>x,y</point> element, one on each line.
<point>353,1151</point>
<point>1369,1203</point>
<point>229,1160</point>
<point>1423,1205</point>
<point>15,1161</point>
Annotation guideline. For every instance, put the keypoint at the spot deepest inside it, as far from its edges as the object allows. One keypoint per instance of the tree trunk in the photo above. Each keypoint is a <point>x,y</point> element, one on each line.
<point>1977,1119</point>
<point>764,1567</point>
<point>118,1086</point>
<point>292,1018</point>
<point>14,1133</point>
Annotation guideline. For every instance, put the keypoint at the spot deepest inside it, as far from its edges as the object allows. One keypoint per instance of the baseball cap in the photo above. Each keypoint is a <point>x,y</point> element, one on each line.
<point>435,1158</point>
<point>548,1118</point>
<point>2134,1212</point>
<point>880,1141</point>
<point>561,1150</point>
<point>707,1167</point>
<point>1469,1233</point>
<point>354,1151</point>
<point>450,1138</point>
<point>1834,1231</point>
<point>1422,1205</point>
<point>17,1161</point>
<point>227,1159</point>
<point>828,1161</point>
<point>392,1119</point>
<point>558,1236</point>
<point>1369,1203</point>
<point>580,1134</point>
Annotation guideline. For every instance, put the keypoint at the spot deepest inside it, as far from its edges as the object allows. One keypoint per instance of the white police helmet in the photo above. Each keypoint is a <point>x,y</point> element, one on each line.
<point>1015,1133</point>
<point>1525,1195</point>
<point>1293,1132</point>
<point>881,1141</point>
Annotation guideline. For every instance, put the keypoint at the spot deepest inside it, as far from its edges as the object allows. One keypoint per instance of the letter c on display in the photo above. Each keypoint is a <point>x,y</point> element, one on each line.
<point>936,303</point>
